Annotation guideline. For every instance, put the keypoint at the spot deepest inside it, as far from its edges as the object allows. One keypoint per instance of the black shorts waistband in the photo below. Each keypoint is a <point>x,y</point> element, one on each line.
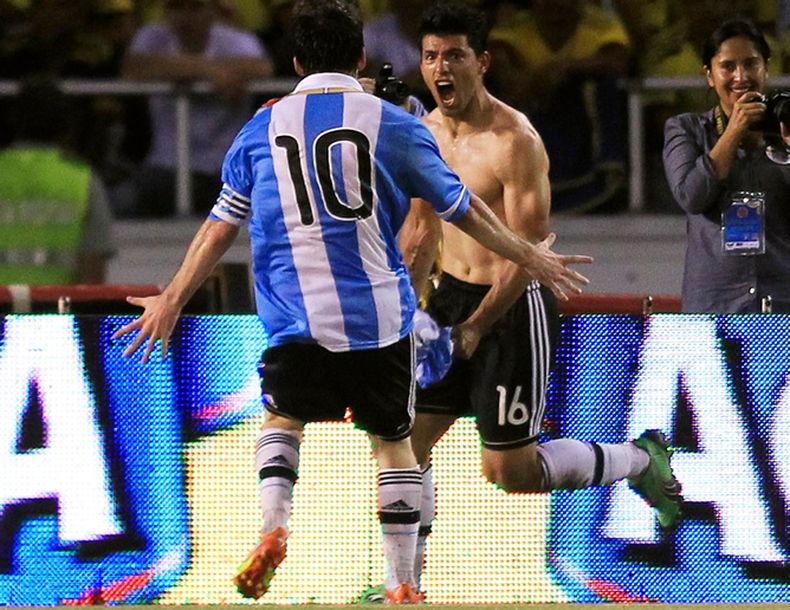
<point>477,289</point>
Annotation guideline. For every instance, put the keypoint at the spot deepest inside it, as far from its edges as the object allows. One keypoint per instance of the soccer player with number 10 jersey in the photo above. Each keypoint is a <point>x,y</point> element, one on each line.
<point>323,178</point>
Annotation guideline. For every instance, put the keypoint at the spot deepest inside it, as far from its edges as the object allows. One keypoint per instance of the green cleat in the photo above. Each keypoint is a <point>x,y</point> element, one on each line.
<point>376,594</point>
<point>658,486</point>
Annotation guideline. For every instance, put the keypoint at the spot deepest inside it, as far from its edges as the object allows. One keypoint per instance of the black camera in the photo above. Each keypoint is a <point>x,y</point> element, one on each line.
<point>777,111</point>
<point>390,88</point>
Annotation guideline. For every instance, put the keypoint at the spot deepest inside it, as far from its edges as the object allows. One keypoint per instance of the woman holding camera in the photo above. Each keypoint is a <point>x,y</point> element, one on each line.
<point>727,168</point>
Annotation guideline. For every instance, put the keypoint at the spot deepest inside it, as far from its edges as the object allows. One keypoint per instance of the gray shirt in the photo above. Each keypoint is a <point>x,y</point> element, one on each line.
<point>714,282</point>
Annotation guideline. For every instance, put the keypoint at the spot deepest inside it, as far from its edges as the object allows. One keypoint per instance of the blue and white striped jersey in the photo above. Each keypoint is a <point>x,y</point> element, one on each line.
<point>324,177</point>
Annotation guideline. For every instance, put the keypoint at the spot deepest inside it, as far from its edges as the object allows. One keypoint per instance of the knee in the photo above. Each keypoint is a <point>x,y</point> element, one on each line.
<point>394,454</point>
<point>423,455</point>
<point>422,445</point>
<point>511,480</point>
<point>279,422</point>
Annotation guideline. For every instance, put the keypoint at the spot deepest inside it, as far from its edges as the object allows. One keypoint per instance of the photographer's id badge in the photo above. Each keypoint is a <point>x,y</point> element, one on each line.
<point>743,224</point>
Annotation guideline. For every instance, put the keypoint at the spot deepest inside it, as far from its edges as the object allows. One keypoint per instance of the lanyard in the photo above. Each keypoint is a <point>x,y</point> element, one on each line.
<point>721,119</point>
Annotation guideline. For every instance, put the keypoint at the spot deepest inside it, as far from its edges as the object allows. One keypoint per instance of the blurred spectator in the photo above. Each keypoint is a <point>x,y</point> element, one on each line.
<point>392,37</point>
<point>114,131</point>
<point>12,33</point>
<point>503,12</point>
<point>191,46</point>
<point>668,36</point>
<point>506,78</point>
<point>82,39</point>
<point>55,223</point>
<point>45,37</point>
<point>249,15</point>
<point>371,8</point>
<point>571,55</point>
<point>783,29</point>
<point>13,30</point>
<point>102,42</point>
<point>665,37</point>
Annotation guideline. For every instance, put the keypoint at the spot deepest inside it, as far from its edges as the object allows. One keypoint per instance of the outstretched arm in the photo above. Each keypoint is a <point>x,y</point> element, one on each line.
<point>161,311</point>
<point>549,268</point>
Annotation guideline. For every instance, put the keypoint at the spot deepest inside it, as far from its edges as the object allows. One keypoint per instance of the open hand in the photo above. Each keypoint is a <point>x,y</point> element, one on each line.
<point>155,324</point>
<point>553,271</point>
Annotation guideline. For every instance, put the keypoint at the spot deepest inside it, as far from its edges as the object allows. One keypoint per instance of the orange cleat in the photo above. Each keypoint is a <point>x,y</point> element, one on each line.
<point>404,594</point>
<point>255,574</point>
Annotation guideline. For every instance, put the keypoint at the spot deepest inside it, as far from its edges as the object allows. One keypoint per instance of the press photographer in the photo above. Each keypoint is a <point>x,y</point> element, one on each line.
<point>390,88</point>
<point>729,169</point>
<point>394,90</point>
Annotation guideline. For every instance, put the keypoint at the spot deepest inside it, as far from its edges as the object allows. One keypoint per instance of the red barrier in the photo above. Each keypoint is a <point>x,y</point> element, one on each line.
<point>94,297</point>
<point>634,304</point>
<point>97,298</point>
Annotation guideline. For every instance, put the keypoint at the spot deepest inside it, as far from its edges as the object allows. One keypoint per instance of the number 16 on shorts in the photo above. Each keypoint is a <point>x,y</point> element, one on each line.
<point>515,413</point>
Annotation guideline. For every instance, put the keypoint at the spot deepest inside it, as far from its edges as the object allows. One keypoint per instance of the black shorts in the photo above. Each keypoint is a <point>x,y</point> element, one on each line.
<point>308,382</point>
<point>504,384</point>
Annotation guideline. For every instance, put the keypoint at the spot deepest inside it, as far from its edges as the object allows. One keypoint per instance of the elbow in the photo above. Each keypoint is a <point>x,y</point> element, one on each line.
<point>429,232</point>
<point>684,198</point>
<point>695,199</point>
<point>691,204</point>
<point>423,242</point>
<point>218,234</point>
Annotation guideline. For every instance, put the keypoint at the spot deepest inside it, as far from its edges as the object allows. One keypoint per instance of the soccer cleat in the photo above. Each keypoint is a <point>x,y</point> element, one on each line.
<point>658,485</point>
<point>404,594</point>
<point>255,574</point>
<point>375,594</point>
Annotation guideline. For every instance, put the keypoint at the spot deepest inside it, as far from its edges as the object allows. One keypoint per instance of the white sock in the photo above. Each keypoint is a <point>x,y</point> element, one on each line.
<point>277,461</point>
<point>399,491</point>
<point>572,464</point>
<point>427,514</point>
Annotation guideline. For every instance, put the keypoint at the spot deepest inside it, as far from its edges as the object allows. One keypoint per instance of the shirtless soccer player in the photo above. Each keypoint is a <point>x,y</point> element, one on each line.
<point>504,322</point>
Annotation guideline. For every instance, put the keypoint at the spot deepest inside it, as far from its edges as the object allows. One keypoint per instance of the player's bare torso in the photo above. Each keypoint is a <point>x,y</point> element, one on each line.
<point>478,151</point>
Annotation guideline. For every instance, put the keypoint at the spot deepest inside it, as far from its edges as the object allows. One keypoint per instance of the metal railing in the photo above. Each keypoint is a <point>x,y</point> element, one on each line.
<point>182,93</point>
<point>636,88</point>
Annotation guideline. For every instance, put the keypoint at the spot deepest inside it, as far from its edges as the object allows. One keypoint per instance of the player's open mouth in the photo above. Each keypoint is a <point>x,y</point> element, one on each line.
<point>446,91</point>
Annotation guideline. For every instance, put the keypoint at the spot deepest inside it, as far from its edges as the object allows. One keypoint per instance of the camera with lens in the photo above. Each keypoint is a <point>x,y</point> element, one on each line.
<point>390,88</point>
<point>777,111</point>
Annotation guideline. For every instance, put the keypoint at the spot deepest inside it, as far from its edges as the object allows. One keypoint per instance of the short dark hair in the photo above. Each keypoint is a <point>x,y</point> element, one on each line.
<point>445,18</point>
<point>327,35</point>
<point>730,29</point>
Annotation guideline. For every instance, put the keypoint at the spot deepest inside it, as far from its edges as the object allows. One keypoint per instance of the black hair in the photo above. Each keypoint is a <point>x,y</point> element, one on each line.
<point>731,29</point>
<point>445,18</point>
<point>327,35</point>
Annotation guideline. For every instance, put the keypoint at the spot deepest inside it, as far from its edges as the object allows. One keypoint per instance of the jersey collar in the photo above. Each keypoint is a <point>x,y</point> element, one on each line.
<point>329,81</point>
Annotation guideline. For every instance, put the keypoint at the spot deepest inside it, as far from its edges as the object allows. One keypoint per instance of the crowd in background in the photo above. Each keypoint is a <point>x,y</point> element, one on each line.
<point>561,61</point>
